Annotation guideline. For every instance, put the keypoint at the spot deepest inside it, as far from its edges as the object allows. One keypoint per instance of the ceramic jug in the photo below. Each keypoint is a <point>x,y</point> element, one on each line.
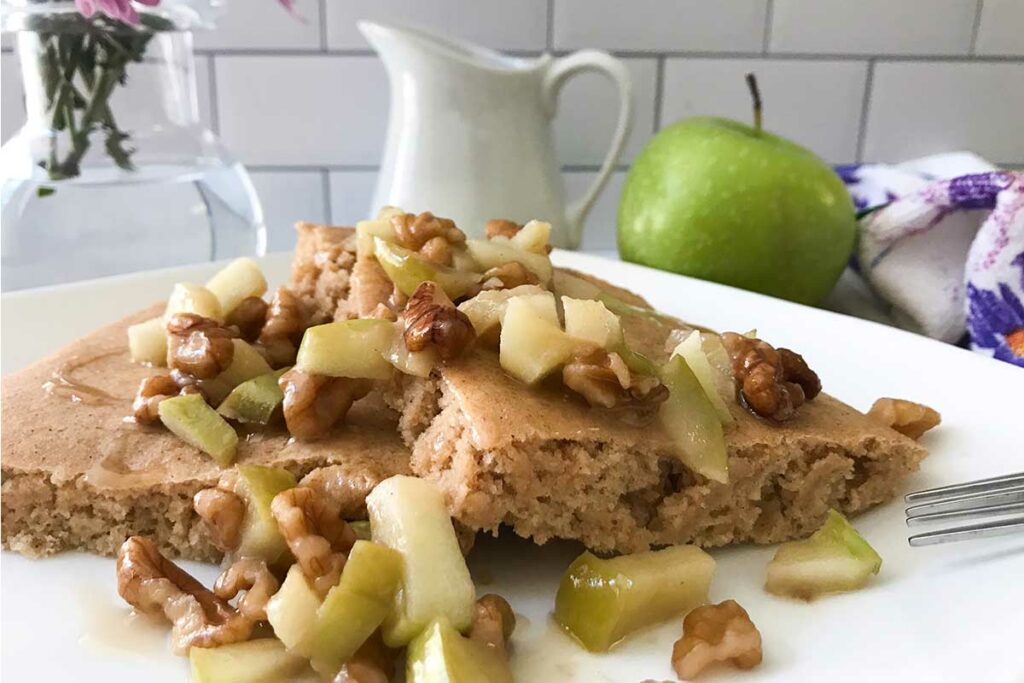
<point>469,133</point>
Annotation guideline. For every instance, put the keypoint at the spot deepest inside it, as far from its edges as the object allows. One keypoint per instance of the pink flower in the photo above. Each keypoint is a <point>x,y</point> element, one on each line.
<point>121,10</point>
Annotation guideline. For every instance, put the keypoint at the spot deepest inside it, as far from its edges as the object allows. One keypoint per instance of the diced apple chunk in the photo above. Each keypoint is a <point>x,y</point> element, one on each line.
<point>440,654</point>
<point>691,350</point>
<point>348,348</point>
<point>592,322</point>
<point>415,363</point>
<point>292,612</point>
<point>566,284</point>
<point>256,661</point>
<point>532,346</point>
<point>408,270</point>
<point>601,601</point>
<point>246,364</point>
<point>355,608</point>
<point>486,309</point>
<point>238,280</point>
<point>493,253</point>
<point>534,237</point>
<point>257,485</point>
<point>192,420</point>
<point>692,422</point>
<point>834,559</point>
<point>147,342</point>
<point>409,515</point>
<point>253,401</point>
<point>380,226</point>
<point>191,298</point>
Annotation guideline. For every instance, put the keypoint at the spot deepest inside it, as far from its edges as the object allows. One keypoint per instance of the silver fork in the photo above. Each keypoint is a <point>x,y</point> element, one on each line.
<point>999,500</point>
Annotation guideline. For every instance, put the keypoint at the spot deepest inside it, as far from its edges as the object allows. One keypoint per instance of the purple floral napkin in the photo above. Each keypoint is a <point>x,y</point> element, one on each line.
<point>946,255</point>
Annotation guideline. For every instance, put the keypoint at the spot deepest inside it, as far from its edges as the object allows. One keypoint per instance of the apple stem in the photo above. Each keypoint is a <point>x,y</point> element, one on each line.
<point>755,95</point>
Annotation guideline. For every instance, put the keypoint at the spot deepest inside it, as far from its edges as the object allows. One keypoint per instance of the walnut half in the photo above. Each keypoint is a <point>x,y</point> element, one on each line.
<point>716,633</point>
<point>152,584</point>
<point>772,383</point>
<point>432,321</point>
<point>199,346</point>
<point>906,417</point>
<point>603,378</point>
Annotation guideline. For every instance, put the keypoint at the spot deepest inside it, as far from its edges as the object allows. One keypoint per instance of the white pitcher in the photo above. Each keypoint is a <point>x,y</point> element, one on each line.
<point>469,135</point>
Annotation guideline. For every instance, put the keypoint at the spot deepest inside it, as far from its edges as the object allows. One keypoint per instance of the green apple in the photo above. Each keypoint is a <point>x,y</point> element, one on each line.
<point>723,201</point>
<point>264,660</point>
<point>440,654</point>
<point>600,601</point>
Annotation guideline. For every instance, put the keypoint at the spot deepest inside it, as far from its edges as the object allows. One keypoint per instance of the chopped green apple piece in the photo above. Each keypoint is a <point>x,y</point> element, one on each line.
<point>192,420</point>
<point>292,612</point>
<point>691,421</point>
<point>408,270</point>
<point>486,309</point>
<point>409,515</point>
<point>361,528</point>
<point>416,363</point>
<point>494,253</point>
<point>576,287</point>
<point>255,661</point>
<point>532,346</point>
<point>593,322</point>
<point>691,350</point>
<point>246,363</point>
<point>348,348</point>
<point>236,281</point>
<point>253,401</point>
<point>534,237</point>
<point>834,559</point>
<point>147,342</point>
<point>600,602</point>
<point>355,608</point>
<point>380,226</point>
<point>440,654</point>
<point>190,298</point>
<point>257,485</point>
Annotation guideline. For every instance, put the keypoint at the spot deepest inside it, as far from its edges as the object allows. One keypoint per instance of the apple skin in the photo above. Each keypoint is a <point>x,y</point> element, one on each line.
<point>718,200</point>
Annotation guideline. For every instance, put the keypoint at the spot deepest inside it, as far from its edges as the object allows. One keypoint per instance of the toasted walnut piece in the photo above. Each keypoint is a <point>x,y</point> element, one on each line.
<point>437,250</point>
<point>906,417</point>
<point>151,391</point>
<point>716,633</point>
<point>771,383</point>
<point>199,346</point>
<point>249,316</point>
<point>493,623</point>
<point>414,231</point>
<point>603,379</point>
<point>499,227</point>
<point>282,329</point>
<point>508,276</point>
<point>383,312</point>
<point>431,320</point>
<point>315,533</point>
<point>370,287</point>
<point>252,576</point>
<point>222,512</point>
<point>373,662</point>
<point>152,584</point>
<point>314,403</point>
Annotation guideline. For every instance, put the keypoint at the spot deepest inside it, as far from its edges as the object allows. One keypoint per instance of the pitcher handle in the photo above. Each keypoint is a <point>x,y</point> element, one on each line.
<point>558,73</point>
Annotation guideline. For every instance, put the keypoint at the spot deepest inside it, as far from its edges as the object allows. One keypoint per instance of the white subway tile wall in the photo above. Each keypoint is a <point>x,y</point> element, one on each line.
<point>303,101</point>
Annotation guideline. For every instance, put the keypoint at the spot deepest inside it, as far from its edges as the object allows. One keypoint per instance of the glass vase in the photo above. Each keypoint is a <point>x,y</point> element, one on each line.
<point>113,172</point>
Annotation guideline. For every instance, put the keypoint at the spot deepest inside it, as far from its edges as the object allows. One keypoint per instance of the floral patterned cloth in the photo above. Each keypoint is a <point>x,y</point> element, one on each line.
<point>948,256</point>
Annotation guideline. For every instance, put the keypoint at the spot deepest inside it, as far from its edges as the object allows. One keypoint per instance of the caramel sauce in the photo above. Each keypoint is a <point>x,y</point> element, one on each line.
<point>114,628</point>
<point>63,384</point>
<point>112,469</point>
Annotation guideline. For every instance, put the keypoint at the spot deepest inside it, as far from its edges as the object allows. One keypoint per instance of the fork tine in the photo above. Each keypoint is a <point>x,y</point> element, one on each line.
<point>990,484</point>
<point>969,501</point>
<point>984,530</point>
<point>971,513</point>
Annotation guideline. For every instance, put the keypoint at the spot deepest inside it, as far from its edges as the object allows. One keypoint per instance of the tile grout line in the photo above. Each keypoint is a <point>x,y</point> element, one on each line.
<point>322,9</point>
<point>659,91</point>
<point>550,32</point>
<point>971,50</point>
<point>865,110</point>
<point>325,182</point>
<point>769,17</point>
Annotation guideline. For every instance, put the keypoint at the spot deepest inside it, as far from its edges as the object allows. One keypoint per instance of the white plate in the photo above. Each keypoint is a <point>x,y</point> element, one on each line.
<point>945,613</point>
